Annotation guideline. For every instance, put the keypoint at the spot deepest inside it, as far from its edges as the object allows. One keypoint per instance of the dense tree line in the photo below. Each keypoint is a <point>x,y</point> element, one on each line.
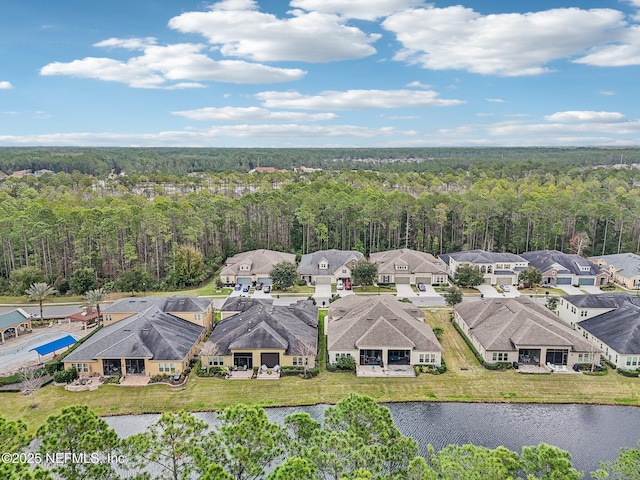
<point>356,440</point>
<point>180,161</point>
<point>77,233</point>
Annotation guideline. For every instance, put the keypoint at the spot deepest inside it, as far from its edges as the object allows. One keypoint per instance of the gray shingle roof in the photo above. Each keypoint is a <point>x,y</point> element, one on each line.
<point>482,256</point>
<point>175,303</point>
<point>261,261</point>
<point>293,328</point>
<point>242,304</point>
<point>334,258</point>
<point>377,321</point>
<point>601,300</point>
<point>620,329</point>
<point>545,260</point>
<point>627,264</point>
<point>505,324</point>
<point>417,262</point>
<point>151,334</point>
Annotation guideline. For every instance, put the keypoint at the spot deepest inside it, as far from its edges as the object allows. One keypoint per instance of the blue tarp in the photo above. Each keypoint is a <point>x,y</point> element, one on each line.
<point>55,345</point>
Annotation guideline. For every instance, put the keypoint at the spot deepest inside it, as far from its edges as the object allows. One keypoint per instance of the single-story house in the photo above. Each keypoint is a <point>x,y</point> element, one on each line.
<point>616,333</point>
<point>253,267</point>
<point>325,267</point>
<point>14,323</point>
<point>235,305</point>
<point>520,330</point>
<point>380,330</point>
<point>265,334</point>
<point>150,342</point>
<point>623,268</point>
<point>497,268</point>
<point>193,309</point>
<point>559,268</point>
<point>573,309</point>
<point>406,266</point>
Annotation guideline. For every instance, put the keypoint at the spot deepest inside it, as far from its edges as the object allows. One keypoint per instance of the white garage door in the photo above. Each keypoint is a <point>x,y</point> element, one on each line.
<point>403,280</point>
<point>503,280</point>
<point>324,280</point>
<point>425,280</point>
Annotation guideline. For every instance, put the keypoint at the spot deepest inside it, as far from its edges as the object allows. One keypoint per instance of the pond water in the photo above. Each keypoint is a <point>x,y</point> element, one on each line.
<point>591,433</point>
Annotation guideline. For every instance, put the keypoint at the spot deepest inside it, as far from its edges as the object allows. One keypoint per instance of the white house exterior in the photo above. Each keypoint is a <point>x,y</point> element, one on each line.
<point>496,268</point>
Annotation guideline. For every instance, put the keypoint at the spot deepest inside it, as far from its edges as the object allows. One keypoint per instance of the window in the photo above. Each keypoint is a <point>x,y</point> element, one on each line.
<point>427,358</point>
<point>583,313</point>
<point>500,357</point>
<point>323,266</point>
<point>167,367</point>
<point>402,267</point>
<point>108,317</point>
<point>386,279</point>
<point>80,367</point>
<point>198,317</point>
<point>584,358</point>
<point>217,361</point>
<point>297,361</point>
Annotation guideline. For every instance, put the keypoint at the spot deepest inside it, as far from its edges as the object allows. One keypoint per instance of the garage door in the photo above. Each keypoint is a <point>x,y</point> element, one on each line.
<point>403,280</point>
<point>425,280</point>
<point>269,359</point>
<point>563,281</point>
<point>244,280</point>
<point>586,281</point>
<point>323,280</point>
<point>486,281</point>
<point>265,280</point>
<point>504,280</point>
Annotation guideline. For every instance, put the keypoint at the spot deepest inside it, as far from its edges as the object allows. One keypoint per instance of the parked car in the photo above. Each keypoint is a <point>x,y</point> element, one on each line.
<point>266,288</point>
<point>339,285</point>
<point>238,287</point>
<point>505,288</point>
<point>347,285</point>
<point>245,288</point>
<point>259,286</point>
<point>422,287</point>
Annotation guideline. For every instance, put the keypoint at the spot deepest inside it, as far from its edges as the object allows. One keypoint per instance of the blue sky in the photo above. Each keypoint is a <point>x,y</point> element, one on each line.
<point>369,73</point>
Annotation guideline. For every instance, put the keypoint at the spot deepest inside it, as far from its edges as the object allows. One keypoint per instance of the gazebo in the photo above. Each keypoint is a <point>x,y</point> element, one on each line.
<point>14,323</point>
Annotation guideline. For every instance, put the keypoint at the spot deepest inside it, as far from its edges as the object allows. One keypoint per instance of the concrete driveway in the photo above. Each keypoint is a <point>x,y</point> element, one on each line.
<point>569,289</point>
<point>429,291</point>
<point>591,289</point>
<point>405,291</point>
<point>489,291</point>
<point>260,294</point>
<point>322,291</point>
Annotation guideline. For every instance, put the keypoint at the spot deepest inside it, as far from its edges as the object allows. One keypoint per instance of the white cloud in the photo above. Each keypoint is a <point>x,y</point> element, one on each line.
<point>240,30</point>
<point>4,85</point>
<point>128,43</point>
<point>623,53</point>
<point>251,114</point>
<point>585,116</point>
<point>160,65</point>
<point>607,93</point>
<point>285,134</point>
<point>513,44</point>
<point>495,100</point>
<point>354,99</point>
<point>417,84</point>
<point>360,9</point>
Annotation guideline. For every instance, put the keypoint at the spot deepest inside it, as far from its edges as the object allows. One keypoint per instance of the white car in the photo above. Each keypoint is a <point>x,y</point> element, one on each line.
<point>340,285</point>
<point>505,288</point>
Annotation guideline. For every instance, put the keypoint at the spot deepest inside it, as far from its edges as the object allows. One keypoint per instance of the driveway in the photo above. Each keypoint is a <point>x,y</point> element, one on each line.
<point>570,290</point>
<point>591,289</point>
<point>405,291</point>
<point>429,291</point>
<point>260,294</point>
<point>322,291</point>
<point>344,292</point>
<point>489,291</point>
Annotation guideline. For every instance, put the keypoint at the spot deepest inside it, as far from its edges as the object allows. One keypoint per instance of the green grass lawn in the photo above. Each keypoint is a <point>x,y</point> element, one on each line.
<point>465,381</point>
<point>373,289</point>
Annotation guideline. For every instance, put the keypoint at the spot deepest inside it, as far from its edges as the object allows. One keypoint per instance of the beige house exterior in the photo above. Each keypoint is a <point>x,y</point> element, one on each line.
<point>380,331</point>
<point>264,334</point>
<point>623,268</point>
<point>198,311</point>
<point>148,343</point>
<point>496,268</point>
<point>406,266</point>
<point>253,266</point>
<point>520,330</point>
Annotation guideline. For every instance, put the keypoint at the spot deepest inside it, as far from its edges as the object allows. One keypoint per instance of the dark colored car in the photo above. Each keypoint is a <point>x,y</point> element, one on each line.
<point>421,287</point>
<point>237,287</point>
<point>245,288</point>
<point>266,288</point>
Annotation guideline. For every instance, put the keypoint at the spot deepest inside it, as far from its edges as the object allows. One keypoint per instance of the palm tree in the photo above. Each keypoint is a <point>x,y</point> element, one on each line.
<point>96,297</point>
<point>39,292</point>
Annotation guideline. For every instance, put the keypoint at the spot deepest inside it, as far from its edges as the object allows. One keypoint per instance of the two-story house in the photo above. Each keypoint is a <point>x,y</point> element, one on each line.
<point>328,266</point>
<point>406,266</point>
<point>496,268</point>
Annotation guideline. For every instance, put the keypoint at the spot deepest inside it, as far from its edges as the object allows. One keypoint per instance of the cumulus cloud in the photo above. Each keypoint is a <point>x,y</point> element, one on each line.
<point>128,43</point>
<point>239,29</point>
<point>252,114</point>
<point>360,9</point>
<point>354,99</point>
<point>417,84</point>
<point>586,116</point>
<point>511,44</point>
<point>624,53</point>
<point>494,100</point>
<point>4,85</point>
<point>160,65</point>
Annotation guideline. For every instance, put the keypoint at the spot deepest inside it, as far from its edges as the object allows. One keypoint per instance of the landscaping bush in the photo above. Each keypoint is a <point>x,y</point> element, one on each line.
<point>301,282</point>
<point>585,368</point>
<point>65,376</point>
<point>430,368</point>
<point>9,380</point>
<point>299,371</point>
<point>628,373</point>
<point>53,367</point>
<point>346,364</point>
<point>210,372</point>
<point>331,367</point>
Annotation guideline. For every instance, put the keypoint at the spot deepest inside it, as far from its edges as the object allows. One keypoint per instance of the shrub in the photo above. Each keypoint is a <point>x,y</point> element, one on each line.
<point>10,380</point>
<point>331,367</point>
<point>53,367</point>
<point>301,282</point>
<point>628,373</point>
<point>346,363</point>
<point>65,376</point>
<point>430,368</point>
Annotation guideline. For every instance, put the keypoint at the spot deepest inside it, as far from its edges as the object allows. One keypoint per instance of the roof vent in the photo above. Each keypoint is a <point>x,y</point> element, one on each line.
<point>393,318</point>
<point>369,318</point>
